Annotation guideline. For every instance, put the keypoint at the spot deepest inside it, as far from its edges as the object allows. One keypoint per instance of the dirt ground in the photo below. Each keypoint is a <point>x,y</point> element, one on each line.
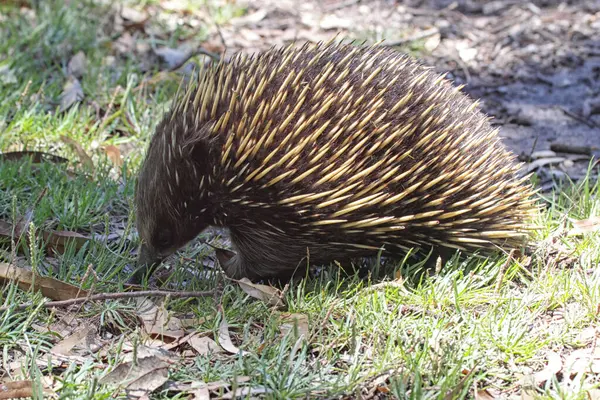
<point>535,65</point>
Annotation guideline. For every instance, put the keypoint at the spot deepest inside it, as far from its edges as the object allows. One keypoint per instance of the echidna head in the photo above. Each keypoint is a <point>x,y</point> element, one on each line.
<point>171,204</point>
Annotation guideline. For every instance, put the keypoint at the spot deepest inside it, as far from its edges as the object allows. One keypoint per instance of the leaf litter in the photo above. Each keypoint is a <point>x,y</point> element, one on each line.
<point>265,26</point>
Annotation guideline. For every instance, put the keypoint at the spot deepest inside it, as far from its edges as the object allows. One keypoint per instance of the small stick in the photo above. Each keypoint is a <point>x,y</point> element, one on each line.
<point>198,51</point>
<point>113,296</point>
<point>502,271</point>
<point>567,148</point>
<point>417,36</point>
<point>578,117</point>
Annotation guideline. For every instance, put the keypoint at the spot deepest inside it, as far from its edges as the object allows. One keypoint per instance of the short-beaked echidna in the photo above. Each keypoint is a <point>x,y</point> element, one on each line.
<point>331,151</point>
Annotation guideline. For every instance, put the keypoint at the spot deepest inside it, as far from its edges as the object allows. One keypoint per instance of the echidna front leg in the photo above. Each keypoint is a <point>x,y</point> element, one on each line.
<point>263,255</point>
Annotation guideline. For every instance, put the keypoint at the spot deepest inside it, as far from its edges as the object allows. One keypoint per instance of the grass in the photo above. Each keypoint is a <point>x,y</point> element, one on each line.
<point>478,322</point>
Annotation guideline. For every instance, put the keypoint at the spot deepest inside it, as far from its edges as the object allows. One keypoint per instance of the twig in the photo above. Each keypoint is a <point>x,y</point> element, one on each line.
<point>578,117</point>
<point>109,109</point>
<point>567,148</point>
<point>417,36</point>
<point>502,271</point>
<point>114,296</point>
<point>218,27</point>
<point>194,53</point>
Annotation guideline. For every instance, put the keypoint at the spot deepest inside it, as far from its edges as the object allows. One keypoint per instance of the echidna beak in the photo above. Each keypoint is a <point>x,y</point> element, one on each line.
<point>148,261</point>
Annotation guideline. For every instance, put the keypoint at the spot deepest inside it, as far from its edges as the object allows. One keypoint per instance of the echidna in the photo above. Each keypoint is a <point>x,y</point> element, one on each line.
<point>331,151</point>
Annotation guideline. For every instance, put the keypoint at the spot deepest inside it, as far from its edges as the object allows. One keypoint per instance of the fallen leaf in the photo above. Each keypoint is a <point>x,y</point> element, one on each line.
<point>71,94</point>
<point>158,322</point>
<point>290,322</point>
<point>59,240</point>
<point>484,394</point>
<point>553,367</point>
<point>65,346</point>
<point>114,155</point>
<point>77,148</point>
<point>583,360</point>
<point>16,389</point>
<point>204,345</point>
<point>56,240</point>
<point>49,287</point>
<point>201,394</point>
<point>225,340</point>
<point>588,225</point>
<point>77,65</point>
<point>37,157</point>
<point>268,294</point>
<point>144,376</point>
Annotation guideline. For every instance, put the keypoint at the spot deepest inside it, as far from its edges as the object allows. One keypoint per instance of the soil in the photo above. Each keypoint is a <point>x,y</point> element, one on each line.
<point>534,65</point>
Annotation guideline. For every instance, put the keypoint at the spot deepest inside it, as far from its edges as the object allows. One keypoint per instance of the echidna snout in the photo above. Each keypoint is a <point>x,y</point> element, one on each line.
<point>329,151</point>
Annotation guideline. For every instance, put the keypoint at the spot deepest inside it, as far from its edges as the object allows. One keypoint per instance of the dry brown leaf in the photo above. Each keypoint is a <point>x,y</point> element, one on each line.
<point>16,389</point>
<point>588,225</point>
<point>177,342</point>
<point>158,322</point>
<point>268,294</point>
<point>71,94</point>
<point>484,394</point>
<point>143,376</point>
<point>291,321</point>
<point>204,345</point>
<point>225,340</point>
<point>114,155</point>
<point>65,346</point>
<point>56,240</point>
<point>37,157</point>
<point>50,287</point>
<point>77,148</point>
<point>553,367</point>
<point>77,65</point>
<point>148,372</point>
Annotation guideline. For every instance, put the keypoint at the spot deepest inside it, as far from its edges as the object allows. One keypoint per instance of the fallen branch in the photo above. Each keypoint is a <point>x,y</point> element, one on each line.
<point>418,36</point>
<point>578,117</point>
<point>114,296</point>
<point>194,53</point>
